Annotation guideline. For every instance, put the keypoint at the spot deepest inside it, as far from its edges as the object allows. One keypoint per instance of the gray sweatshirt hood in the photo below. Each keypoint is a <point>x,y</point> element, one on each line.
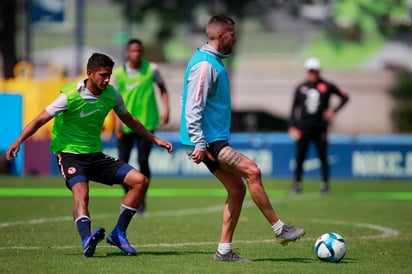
<point>212,50</point>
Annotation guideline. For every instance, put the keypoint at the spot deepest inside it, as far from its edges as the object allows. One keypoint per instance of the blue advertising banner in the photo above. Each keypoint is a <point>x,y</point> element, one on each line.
<point>47,11</point>
<point>362,156</point>
<point>11,127</point>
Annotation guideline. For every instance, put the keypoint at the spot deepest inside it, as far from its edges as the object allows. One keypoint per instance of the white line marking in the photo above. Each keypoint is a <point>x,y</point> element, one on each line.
<point>386,231</point>
<point>167,213</point>
<point>48,220</point>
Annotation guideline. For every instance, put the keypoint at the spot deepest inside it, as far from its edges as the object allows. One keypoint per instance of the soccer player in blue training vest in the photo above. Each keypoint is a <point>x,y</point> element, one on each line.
<point>79,113</point>
<point>205,131</point>
<point>309,120</point>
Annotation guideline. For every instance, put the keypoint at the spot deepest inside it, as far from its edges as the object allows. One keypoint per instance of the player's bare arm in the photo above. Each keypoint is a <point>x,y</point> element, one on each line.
<point>164,119</point>
<point>139,128</point>
<point>28,131</point>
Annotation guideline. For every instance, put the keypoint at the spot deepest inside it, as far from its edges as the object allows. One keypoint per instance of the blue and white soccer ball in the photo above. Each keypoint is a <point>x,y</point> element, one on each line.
<point>330,247</point>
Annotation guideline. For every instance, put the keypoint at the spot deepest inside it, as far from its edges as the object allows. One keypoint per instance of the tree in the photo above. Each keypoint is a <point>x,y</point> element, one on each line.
<point>401,93</point>
<point>387,18</point>
<point>173,13</point>
<point>8,11</point>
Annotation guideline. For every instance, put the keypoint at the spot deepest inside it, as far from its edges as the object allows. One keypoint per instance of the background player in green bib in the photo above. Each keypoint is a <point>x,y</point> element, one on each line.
<point>135,80</point>
<point>79,114</point>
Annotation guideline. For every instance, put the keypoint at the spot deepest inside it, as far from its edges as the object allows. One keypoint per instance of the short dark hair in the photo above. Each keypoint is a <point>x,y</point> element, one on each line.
<point>216,21</point>
<point>99,60</point>
<point>134,41</point>
<point>220,19</point>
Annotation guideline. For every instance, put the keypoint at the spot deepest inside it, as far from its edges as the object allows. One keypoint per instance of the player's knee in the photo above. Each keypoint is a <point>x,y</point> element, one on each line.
<point>141,182</point>
<point>80,191</point>
<point>135,179</point>
<point>254,173</point>
<point>238,191</point>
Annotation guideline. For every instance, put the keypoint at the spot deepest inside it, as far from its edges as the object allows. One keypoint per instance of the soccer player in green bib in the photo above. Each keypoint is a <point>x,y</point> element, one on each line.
<point>79,113</point>
<point>135,81</point>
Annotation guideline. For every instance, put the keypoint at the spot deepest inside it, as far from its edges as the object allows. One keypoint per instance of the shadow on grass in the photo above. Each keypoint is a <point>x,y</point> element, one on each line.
<point>293,260</point>
<point>303,260</point>
<point>158,253</point>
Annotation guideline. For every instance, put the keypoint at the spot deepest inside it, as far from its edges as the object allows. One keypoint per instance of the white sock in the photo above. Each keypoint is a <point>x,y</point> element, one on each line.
<point>123,208</point>
<point>277,228</point>
<point>224,248</point>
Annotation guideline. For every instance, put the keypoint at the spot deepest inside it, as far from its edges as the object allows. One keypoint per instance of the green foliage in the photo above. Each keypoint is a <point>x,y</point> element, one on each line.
<point>180,234</point>
<point>403,86</point>
<point>171,14</point>
<point>387,18</point>
<point>402,94</point>
<point>402,116</point>
<point>347,55</point>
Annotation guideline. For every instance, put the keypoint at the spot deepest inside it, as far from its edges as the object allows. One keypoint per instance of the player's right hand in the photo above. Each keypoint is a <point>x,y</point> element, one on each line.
<point>12,151</point>
<point>294,133</point>
<point>198,156</point>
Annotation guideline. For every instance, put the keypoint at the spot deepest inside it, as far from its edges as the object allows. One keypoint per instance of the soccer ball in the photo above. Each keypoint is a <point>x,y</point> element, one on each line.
<point>330,247</point>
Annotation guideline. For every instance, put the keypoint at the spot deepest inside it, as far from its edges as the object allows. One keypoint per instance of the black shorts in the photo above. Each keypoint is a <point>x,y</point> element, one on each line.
<point>214,149</point>
<point>97,167</point>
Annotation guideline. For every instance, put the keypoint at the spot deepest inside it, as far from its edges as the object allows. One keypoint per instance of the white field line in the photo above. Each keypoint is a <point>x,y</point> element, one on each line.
<point>168,213</point>
<point>385,231</point>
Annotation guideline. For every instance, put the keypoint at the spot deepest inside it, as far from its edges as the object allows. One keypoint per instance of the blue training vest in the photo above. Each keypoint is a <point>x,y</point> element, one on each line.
<point>216,117</point>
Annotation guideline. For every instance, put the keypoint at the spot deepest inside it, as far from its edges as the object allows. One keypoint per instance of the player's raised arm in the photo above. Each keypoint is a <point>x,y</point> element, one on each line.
<point>28,131</point>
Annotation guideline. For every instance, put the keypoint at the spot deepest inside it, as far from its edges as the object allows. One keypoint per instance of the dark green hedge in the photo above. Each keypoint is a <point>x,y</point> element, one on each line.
<point>402,93</point>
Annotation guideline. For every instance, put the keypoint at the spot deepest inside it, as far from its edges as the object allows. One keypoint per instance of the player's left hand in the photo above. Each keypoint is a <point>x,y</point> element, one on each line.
<point>328,114</point>
<point>163,143</point>
<point>164,119</point>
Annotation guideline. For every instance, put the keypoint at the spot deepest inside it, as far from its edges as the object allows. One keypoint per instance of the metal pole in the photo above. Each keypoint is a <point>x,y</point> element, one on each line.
<point>127,19</point>
<point>27,30</point>
<point>79,22</point>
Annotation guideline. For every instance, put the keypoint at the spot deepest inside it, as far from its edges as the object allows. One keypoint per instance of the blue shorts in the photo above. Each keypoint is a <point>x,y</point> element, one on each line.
<point>98,167</point>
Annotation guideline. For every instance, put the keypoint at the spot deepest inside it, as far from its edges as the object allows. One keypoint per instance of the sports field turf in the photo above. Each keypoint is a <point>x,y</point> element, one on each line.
<point>180,231</point>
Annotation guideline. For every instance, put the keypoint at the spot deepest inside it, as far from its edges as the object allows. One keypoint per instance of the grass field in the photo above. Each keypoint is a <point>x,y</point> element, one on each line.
<point>180,231</point>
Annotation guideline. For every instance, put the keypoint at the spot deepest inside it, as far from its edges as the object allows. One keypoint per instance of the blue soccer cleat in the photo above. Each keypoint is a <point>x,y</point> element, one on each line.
<point>90,243</point>
<point>118,238</point>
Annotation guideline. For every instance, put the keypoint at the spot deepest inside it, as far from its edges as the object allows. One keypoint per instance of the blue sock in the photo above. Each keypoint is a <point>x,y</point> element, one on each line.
<point>126,215</point>
<point>83,224</point>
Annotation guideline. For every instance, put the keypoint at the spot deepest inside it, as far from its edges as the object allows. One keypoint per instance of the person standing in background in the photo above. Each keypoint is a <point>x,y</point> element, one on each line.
<point>135,81</point>
<point>309,120</point>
